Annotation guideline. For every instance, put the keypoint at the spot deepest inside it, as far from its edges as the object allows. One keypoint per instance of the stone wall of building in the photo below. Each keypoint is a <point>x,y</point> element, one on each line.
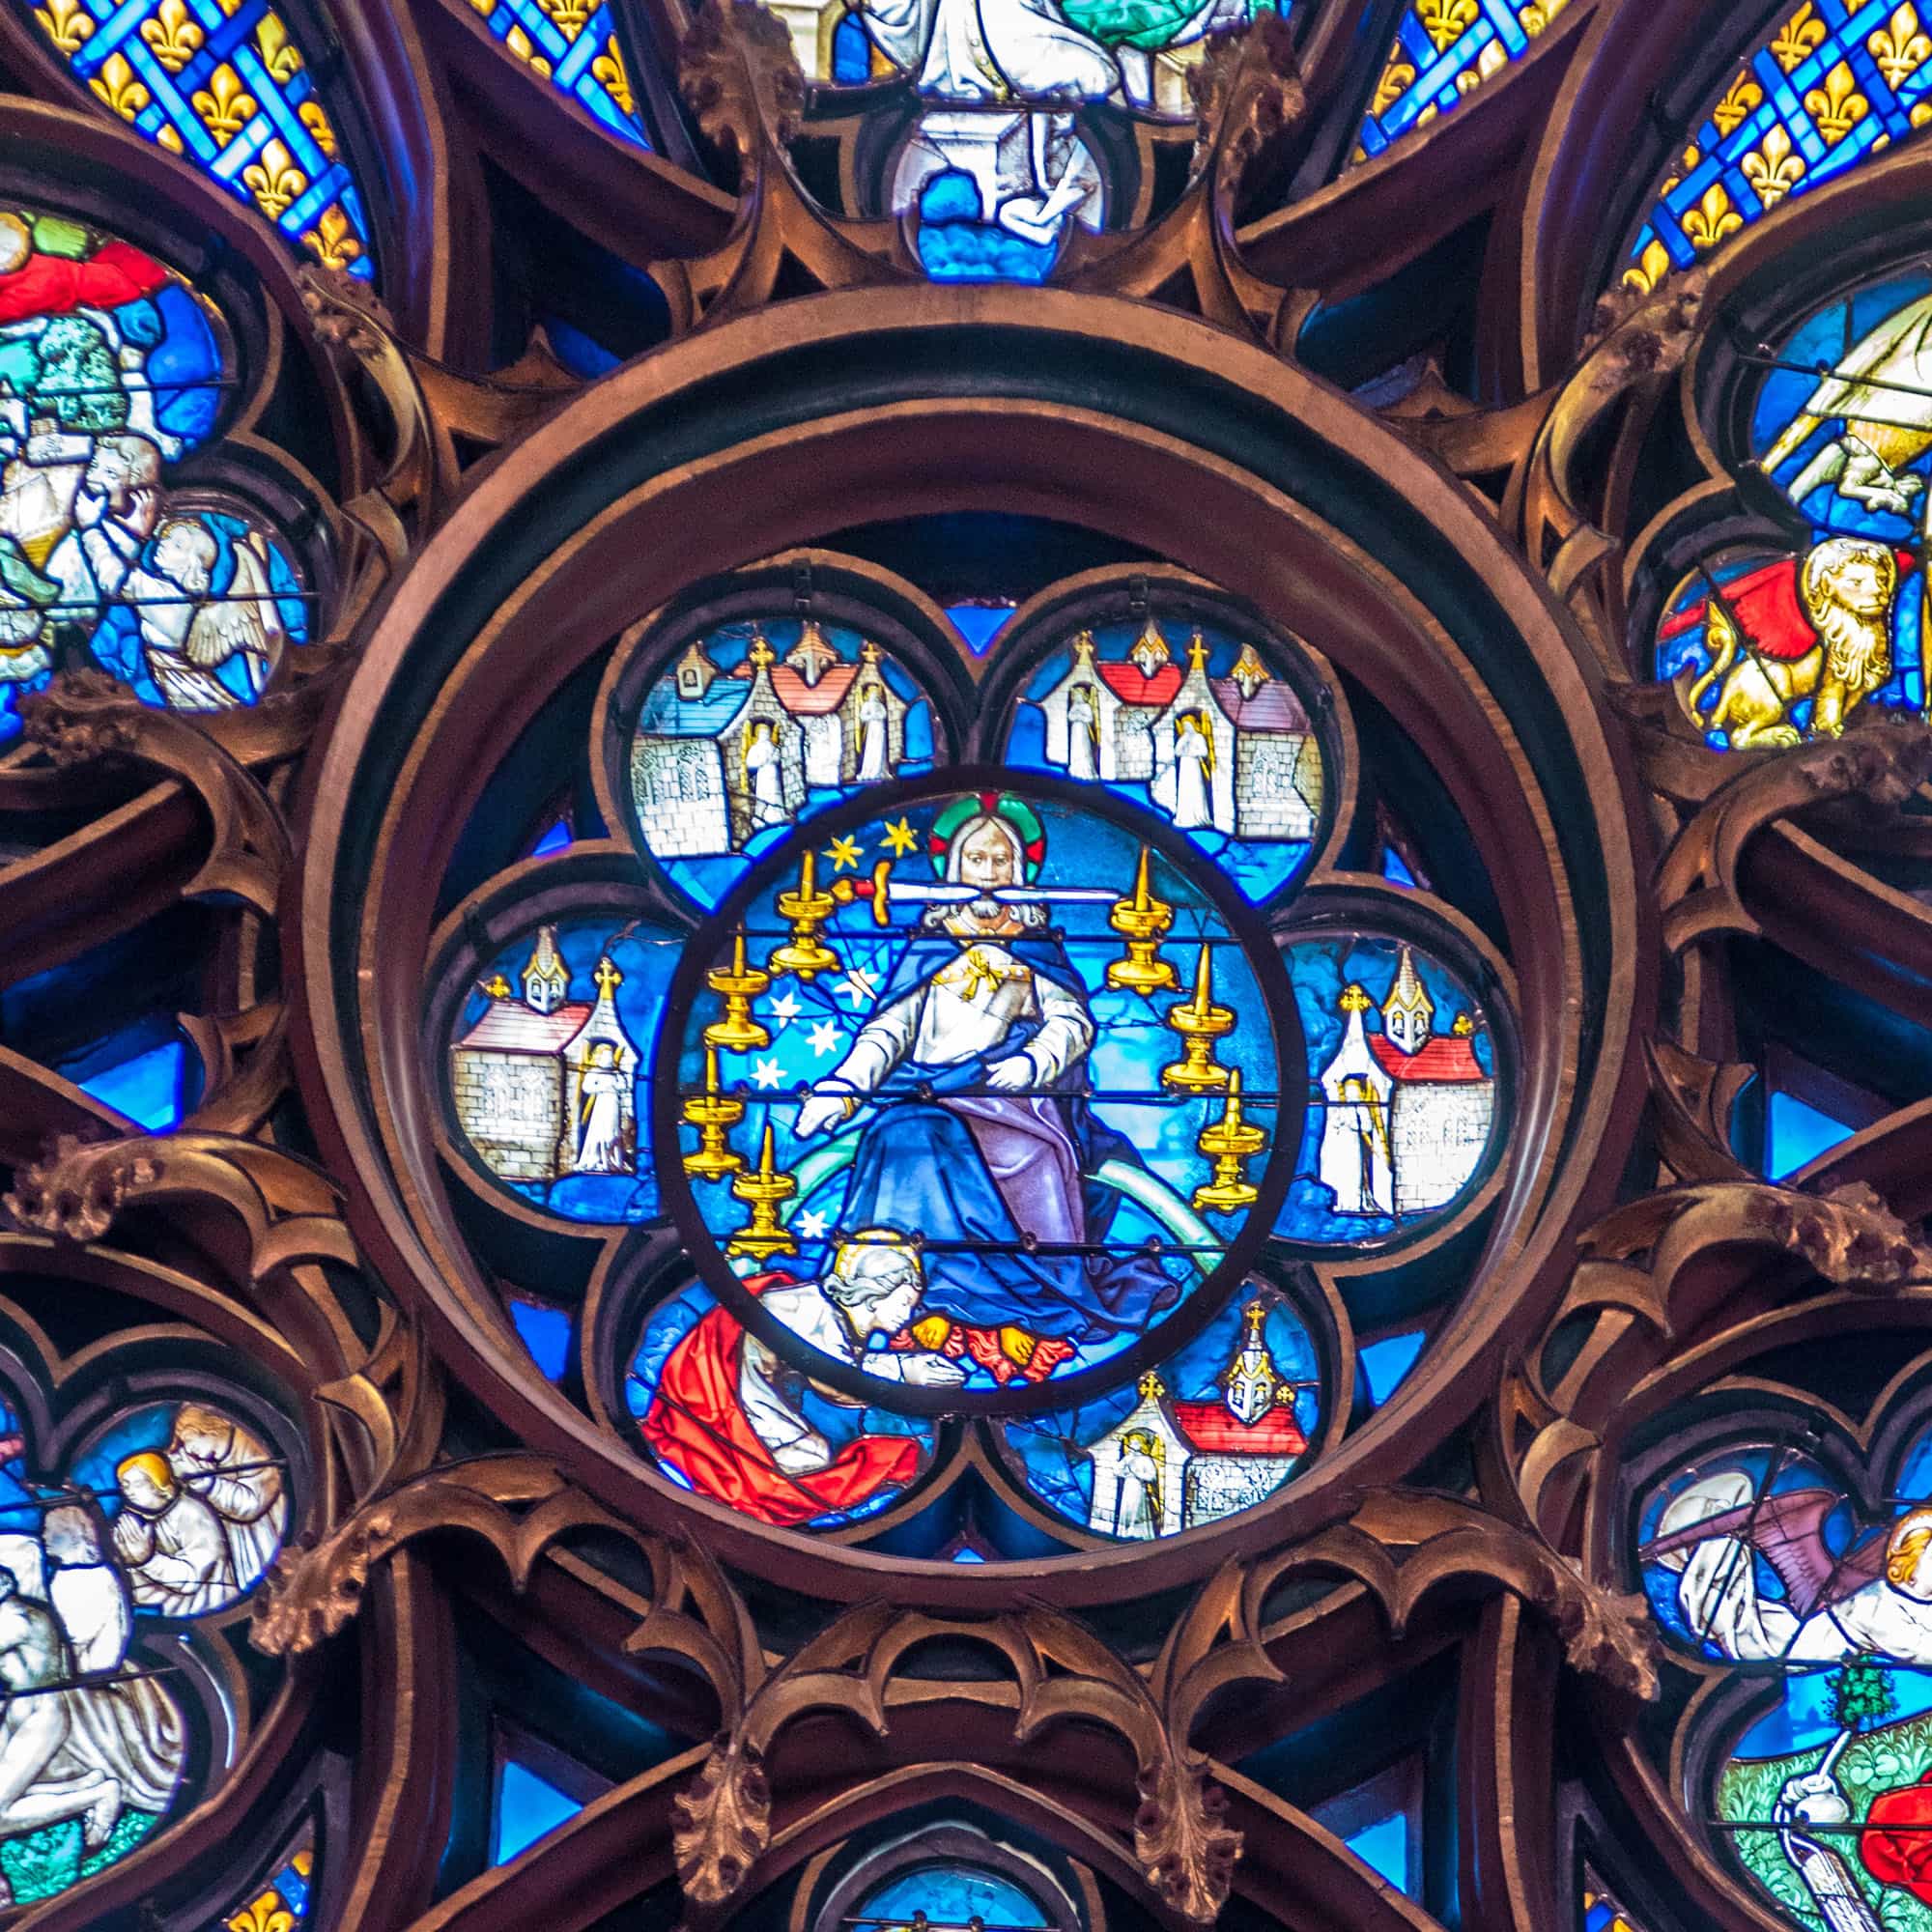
<point>511,1107</point>
<point>678,784</point>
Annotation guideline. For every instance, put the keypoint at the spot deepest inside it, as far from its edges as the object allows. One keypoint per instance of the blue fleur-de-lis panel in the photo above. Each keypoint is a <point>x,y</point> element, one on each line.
<point>1833,85</point>
<point>573,45</point>
<point>1444,50</point>
<point>1218,1428</point>
<point>228,90</point>
<point>550,1065</point>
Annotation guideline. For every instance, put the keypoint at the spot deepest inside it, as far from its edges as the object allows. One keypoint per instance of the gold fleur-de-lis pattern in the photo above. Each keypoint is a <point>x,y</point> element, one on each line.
<point>224,85</point>
<point>1444,51</point>
<point>1832,83</point>
<point>280,1907</point>
<point>572,44</point>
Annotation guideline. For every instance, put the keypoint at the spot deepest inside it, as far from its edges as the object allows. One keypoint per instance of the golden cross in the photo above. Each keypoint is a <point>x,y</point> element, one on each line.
<point>607,976</point>
<point>1152,1388</point>
<point>760,652</point>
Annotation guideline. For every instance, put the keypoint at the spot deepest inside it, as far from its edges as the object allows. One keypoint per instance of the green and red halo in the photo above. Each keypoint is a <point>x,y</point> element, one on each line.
<point>1018,814</point>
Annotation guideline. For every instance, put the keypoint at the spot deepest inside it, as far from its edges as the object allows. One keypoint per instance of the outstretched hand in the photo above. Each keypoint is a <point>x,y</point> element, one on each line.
<point>1014,1075</point>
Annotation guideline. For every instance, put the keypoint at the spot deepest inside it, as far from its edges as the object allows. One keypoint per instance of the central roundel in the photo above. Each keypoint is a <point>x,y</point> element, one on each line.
<point>976,1096</point>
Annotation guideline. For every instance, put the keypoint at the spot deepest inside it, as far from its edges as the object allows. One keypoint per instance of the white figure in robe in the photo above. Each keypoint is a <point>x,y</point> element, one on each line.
<point>1880,391</point>
<point>1137,1501</point>
<point>1193,759</point>
<point>600,1115</point>
<point>234,1473</point>
<point>75,1744</point>
<point>188,633</point>
<point>874,719</point>
<point>1836,1606</point>
<point>766,773</point>
<point>1025,51</point>
<point>1083,733</point>
<point>172,1544</point>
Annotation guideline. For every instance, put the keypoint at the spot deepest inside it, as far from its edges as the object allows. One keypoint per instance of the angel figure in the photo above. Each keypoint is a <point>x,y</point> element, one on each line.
<point>191,625</point>
<point>1880,394</point>
<point>1874,1596</point>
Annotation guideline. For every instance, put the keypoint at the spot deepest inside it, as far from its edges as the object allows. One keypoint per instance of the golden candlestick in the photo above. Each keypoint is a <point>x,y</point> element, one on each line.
<point>1142,921</point>
<point>714,1114</point>
<point>1200,1023</point>
<point>737,1032</point>
<point>764,1235</point>
<point>807,909</point>
<point>1231,1143</point>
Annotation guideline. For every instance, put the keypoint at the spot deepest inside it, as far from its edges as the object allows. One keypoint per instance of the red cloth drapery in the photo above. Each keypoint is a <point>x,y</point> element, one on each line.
<point>53,285</point>
<point>1896,1843</point>
<point>697,1424</point>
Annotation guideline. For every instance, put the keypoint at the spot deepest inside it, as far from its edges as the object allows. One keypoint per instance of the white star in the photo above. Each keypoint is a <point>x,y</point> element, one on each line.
<point>766,1074</point>
<point>811,1225</point>
<point>826,1038</point>
<point>784,1009</point>
<point>859,986</point>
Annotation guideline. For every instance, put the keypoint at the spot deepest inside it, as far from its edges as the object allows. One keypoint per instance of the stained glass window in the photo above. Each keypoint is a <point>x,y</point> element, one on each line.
<point>1218,1428</point>
<point>1402,1105</point>
<point>760,724</point>
<point>1443,51</point>
<point>723,1414</point>
<point>170,1513</point>
<point>113,370</point>
<point>1767,645</point>
<point>573,45</point>
<point>1210,730</point>
<point>994,1119</point>
<point>1832,86</point>
<point>281,1905</point>
<point>547,1064</point>
<point>1120,1072</point>
<point>999,159</point>
<point>1766,1556</point>
<point>950,1897</point>
<point>229,88</point>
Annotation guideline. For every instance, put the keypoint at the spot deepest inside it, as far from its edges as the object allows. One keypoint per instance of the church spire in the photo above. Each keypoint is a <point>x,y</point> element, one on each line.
<point>1408,1012</point>
<point>545,978</point>
<point>1252,1380</point>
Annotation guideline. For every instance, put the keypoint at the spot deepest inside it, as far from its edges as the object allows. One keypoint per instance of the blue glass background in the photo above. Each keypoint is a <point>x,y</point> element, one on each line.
<point>1259,869</point>
<point>1132,1041</point>
<point>953,1894</point>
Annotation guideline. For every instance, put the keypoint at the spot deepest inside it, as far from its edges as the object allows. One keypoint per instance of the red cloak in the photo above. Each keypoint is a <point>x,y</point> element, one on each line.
<point>54,285</point>
<point>1896,1843</point>
<point>697,1424</point>
<point>1766,605</point>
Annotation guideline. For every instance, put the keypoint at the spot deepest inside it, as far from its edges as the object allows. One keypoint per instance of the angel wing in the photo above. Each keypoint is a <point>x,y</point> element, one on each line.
<point>1846,393</point>
<point>1788,1531</point>
<point>247,620</point>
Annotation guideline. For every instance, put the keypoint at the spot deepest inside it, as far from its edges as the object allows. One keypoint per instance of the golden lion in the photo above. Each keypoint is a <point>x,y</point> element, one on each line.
<point>1847,587</point>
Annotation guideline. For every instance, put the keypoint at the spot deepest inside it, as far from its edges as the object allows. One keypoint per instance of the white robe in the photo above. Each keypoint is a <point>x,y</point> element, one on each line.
<point>1191,803</point>
<point>992,49</point>
<point>871,741</point>
<point>1080,737</point>
<point>245,1491</point>
<point>178,1561</point>
<point>762,767</point>
<point>599,1148</point>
